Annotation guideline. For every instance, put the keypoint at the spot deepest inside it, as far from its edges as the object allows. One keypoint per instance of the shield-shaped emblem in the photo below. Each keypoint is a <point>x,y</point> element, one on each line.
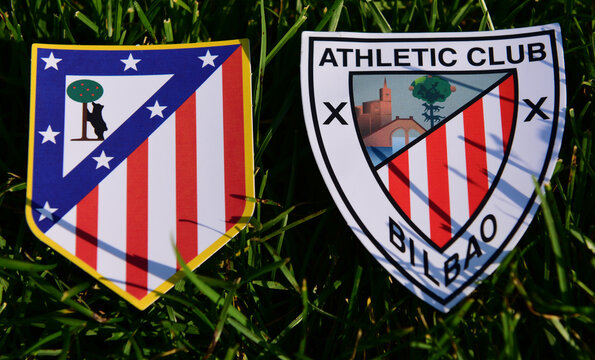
<point>430,144</point>
<point>133,148</point>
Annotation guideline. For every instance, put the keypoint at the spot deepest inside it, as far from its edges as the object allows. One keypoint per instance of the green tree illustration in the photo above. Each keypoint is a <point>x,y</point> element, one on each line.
<point>84,91</point>
<point>431,89</point>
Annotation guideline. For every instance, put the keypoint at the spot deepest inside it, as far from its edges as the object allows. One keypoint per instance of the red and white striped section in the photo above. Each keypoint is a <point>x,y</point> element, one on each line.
<point>440,181</point>
<point>185,183</point>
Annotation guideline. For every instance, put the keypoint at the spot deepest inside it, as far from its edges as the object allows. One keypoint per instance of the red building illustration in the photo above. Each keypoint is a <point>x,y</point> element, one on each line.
<point>376,123</point>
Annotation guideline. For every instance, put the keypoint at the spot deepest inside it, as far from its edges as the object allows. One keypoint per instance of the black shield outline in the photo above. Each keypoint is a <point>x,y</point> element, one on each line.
<point>392,261</point>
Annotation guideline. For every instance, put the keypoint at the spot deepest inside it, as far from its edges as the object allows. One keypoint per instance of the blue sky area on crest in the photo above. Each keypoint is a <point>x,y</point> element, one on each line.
<point>365,88</point>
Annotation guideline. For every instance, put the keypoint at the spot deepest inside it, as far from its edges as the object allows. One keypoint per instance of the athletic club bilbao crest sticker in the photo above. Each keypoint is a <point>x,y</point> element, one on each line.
<point>430,144</point>
<point>136,149</point>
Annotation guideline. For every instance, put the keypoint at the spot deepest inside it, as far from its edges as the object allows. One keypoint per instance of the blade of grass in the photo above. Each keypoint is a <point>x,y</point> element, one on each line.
<point>454,320</point>
<point>288,35</point>
<point>169,35</point>
<point>486,14</point>
<point>434,16</point>
<point>118,27</point>
<point>74,290</point>
<point>251,336</point>
<point>23,265</point>
<point>379,19</point>
<point>15,29</point>
<point>509,323</point>
<point>16,187</point>
<point>232,352</point>
<point>65,344</point>
<point>85,20</point>
<point>137,350</point>
<point>354,292</point>
<point>65,25</point>
<point>410,17</point>
<point>263,185</point>
<point>193,36</point>
<point>483,23</point>
<point>222,319</point>
<point>57,294</point>
<point>335,15</point>
<point>329,13</point>
<point>302,345</point>
<point>456,20</point>
<point>565,334</point>
<point>584,240</point>
<point>554,241</point>
<point>274,221</point>
<point>265,269</point>
<point>260,74</point>
<point>183,5</point>
<point>269,284</point>
<point>40,342</point>
<point>194,308</point>
<point>284,270</point>
<point>109,15</point>
<point>292,225</point>
<point>280,242</point>
<point>145,21</point>
<point>211,294</point>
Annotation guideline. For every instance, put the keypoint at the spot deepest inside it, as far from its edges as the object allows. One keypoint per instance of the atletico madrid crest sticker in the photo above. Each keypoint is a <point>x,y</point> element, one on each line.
<point>136,149</point>
<point>430,144</point>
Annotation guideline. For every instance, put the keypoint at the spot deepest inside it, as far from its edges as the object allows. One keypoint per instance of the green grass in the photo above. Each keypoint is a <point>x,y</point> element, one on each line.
<point>287,287</point>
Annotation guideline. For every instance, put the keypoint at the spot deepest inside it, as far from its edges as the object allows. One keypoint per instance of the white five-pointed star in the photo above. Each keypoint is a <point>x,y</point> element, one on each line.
<point>49,135</point>
<point>156,110</point>
<point>46,212</point>
<point>130,62</point>
<point>51,62</point>
<point>208,59</point>
<point>102,160</point>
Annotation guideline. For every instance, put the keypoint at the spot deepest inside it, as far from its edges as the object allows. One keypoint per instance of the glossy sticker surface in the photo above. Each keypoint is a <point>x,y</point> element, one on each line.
<point>135,149</point>
<point>429,144</point>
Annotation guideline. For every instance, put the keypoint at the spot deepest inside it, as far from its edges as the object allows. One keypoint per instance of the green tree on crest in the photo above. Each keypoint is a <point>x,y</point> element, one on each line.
<point>431,89</point>
<point>84,91</point>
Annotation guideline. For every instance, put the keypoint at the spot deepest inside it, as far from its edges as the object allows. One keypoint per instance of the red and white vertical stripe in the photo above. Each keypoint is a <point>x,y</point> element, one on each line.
<point>185,183</point>
<point>441,181</point>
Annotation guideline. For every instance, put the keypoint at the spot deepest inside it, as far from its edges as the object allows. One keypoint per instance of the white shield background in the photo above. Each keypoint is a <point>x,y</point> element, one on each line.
<point>354,187</point>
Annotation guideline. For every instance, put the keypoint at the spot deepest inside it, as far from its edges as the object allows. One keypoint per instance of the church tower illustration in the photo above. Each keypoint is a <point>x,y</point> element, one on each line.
<point>372,115</point>
<point>378,127</point>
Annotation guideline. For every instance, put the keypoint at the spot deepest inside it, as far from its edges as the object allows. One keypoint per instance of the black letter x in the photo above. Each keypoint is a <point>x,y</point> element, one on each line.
<point>536,109</point>
<point>335,113</point>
